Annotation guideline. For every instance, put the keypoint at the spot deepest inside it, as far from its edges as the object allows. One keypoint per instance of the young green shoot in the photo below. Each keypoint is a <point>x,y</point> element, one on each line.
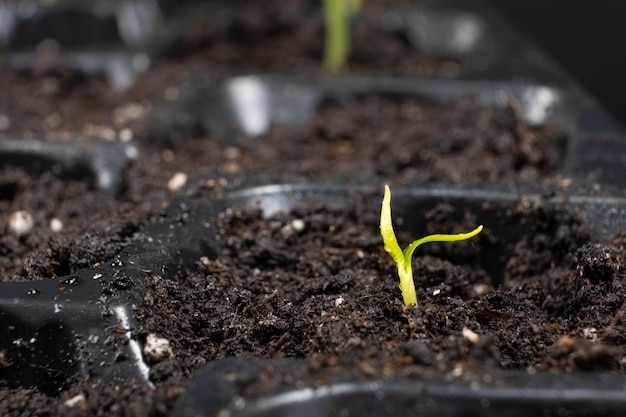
<point>402,258</point>
<point>337,42</point>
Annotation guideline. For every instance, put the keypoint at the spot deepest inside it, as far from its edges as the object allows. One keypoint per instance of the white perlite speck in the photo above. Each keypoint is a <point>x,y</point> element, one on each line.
<point>56,225</point>
<point>177,182</point>
<point>157,349</point>
<point>470,335</point>
<point>76,401</point>
<point>297,225</point>
<point>20,223</point>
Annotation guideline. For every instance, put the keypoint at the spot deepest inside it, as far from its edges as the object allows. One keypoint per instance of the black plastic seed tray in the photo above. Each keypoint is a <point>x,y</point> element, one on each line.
<point>115,39</point>
<point>96,162</point>
<point>511,394</point>
<point>252,104</point>
<point>81,325</point>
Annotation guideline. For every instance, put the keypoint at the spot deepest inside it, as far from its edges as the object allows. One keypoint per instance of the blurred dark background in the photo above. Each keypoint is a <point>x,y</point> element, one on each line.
<point>587,38</point>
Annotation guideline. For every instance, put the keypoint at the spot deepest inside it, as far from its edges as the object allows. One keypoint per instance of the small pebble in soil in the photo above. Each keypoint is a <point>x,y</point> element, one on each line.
<point>157,349</point>
<point>56,225</point>
<point>590,333</point>
<point>76,401</point>
<point>20,223</point>
<point>296,226</point>
<point>470,335</point>
<point>479,289</point>
<point>458,371</point>
<point>177,182</point>
<point>125,135</point>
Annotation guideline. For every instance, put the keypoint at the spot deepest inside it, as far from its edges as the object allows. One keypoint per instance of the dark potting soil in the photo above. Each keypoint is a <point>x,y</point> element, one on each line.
<point>241,37</point>
<point>406,142</point>
<point>316,284</point>
<point>313,284</point>
<point>329,293</point>
<point>409,141</point>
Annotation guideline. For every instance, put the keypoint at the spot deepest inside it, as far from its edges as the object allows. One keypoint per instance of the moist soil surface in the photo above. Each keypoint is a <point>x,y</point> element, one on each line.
<point>269,36</point>
<point>313,284</point>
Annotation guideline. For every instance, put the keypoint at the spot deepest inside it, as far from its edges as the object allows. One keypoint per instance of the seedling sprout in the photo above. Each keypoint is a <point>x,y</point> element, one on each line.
<point>402,258</point>
<point>337,43</point>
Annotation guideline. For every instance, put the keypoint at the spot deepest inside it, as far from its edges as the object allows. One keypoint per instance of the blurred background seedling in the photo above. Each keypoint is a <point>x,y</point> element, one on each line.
<point>337,15</point>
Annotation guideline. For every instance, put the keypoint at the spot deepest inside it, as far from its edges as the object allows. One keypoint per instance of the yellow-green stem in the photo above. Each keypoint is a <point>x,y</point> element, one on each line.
<point>337,41</point>
<point>403,258</point>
